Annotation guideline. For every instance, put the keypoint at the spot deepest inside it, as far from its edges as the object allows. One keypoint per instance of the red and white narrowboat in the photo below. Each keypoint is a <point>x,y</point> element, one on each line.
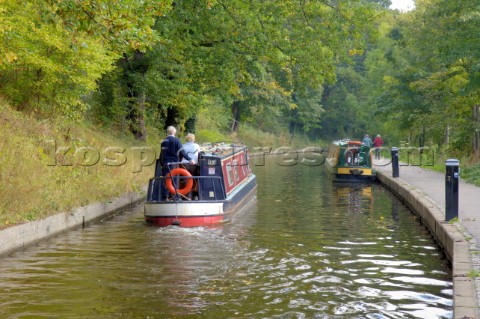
<point>204,194</point>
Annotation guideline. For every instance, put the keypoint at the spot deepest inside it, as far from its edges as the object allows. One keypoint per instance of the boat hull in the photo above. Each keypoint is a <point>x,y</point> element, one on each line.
<point>348,174</point>
<point>353,178</point>
<point>200,213</point>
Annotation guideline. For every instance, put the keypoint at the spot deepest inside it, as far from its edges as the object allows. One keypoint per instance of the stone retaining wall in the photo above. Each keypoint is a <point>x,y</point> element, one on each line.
<point>448,236</point>
<point>17,237</point>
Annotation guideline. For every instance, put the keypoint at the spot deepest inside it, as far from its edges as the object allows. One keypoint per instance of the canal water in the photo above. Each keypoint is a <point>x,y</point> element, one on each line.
<point>306,248</point>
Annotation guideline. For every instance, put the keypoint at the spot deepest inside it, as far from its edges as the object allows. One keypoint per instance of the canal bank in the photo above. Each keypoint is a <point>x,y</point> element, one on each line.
<point>20,236</point>
<point>424,192</point>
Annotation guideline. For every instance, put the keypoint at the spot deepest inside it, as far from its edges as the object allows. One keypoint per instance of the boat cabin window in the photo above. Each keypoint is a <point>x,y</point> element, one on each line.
<point>351,156</point>
<point>242,165</point>
<point>229,174</point>
<point>235,170</point>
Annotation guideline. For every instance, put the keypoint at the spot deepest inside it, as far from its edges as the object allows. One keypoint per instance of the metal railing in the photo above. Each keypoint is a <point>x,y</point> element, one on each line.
<point>157,188</point>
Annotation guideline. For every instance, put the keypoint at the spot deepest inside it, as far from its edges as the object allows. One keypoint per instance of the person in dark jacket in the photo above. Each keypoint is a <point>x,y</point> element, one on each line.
<point>172,149</point>
<point>171,152</point>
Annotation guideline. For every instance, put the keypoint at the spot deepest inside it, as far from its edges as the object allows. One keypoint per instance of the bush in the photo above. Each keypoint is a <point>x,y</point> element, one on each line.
<point>471,174</point>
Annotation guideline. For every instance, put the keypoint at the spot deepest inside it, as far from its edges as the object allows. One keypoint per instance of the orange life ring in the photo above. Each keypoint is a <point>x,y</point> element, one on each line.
<point>182,172</point>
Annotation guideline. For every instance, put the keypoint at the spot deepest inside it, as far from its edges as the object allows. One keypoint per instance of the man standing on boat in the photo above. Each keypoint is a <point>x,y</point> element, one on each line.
<point>367,140</point>
<point>171,149</point>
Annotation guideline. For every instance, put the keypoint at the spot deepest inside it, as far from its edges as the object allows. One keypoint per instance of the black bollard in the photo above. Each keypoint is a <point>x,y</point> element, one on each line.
<point>451,189</point>
<point>395,172</point>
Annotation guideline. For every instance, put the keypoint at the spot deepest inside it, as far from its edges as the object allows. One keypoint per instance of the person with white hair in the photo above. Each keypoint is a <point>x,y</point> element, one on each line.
<point>171,152</point>
<point>191,148</point>
<point>172,149</point>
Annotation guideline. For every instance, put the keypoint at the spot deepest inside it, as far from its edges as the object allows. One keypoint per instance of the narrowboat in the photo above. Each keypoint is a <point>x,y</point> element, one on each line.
<point>204,194</point>
<point>350,161</point>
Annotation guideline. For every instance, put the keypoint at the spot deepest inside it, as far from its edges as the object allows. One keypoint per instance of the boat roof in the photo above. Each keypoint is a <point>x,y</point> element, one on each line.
<point>348,142</point>
<point>221,149</point>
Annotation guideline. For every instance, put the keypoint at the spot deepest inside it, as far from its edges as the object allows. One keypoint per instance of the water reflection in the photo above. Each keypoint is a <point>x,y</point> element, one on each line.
<point>307,248</point>
<point>356,197</point>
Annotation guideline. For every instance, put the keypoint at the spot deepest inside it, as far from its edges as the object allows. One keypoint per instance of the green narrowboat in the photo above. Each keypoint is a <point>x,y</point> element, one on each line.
<point>350,161</point>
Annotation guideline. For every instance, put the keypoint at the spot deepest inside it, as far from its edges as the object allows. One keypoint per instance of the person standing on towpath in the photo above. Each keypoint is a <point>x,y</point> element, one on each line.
<point>377,143</point>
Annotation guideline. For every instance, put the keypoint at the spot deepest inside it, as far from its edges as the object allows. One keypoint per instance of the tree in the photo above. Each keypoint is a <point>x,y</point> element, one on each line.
<point>433,85</point>
<point>54,52</point>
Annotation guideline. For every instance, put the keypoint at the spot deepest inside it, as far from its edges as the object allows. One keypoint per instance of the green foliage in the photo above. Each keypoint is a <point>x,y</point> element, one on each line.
<point>53,53</point>
<point>268,58</point>
<point>319,68</point>
<point>108,106</point>
<point>146,67</point>
<point>213,123</point>
<point>43,63</point>
<point>473,273</point>
<point>211,136</point>
<point>429,83</point>
<point>453,220</point>
<point>471,174</point>
<point>120,25</point>
<point>346,111</point>
<point>255,138</point>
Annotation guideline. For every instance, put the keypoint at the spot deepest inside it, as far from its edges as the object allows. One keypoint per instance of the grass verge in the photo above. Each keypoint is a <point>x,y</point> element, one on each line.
<point>48,167</point>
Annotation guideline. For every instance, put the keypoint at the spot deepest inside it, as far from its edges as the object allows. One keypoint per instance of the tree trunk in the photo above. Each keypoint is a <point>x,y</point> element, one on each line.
<point>136,97</point>
<point>293,117</point>
<point>136,115</point>
<point>139,131</point>
<point>172,118</point>
<point>137,120</point>
<point>190,124</point>
<point>292,126</point>
<point>236,116</point>
<point>422,139</point>
<point>447,134</point>
<point>476,131</point>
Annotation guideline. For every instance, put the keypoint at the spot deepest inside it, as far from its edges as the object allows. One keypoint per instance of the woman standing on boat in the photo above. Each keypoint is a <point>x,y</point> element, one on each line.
<point>191,148</point>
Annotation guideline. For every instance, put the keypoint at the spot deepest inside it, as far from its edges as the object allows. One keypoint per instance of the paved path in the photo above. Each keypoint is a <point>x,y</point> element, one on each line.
<point>432,185</point>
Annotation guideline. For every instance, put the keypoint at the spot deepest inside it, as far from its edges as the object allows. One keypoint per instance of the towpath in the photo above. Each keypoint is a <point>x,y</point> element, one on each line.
<point>432,186</point>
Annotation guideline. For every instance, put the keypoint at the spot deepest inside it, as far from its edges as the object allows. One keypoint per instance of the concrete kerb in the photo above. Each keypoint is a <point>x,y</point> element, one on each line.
<point>449,236</point>
<point>20,236</point>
